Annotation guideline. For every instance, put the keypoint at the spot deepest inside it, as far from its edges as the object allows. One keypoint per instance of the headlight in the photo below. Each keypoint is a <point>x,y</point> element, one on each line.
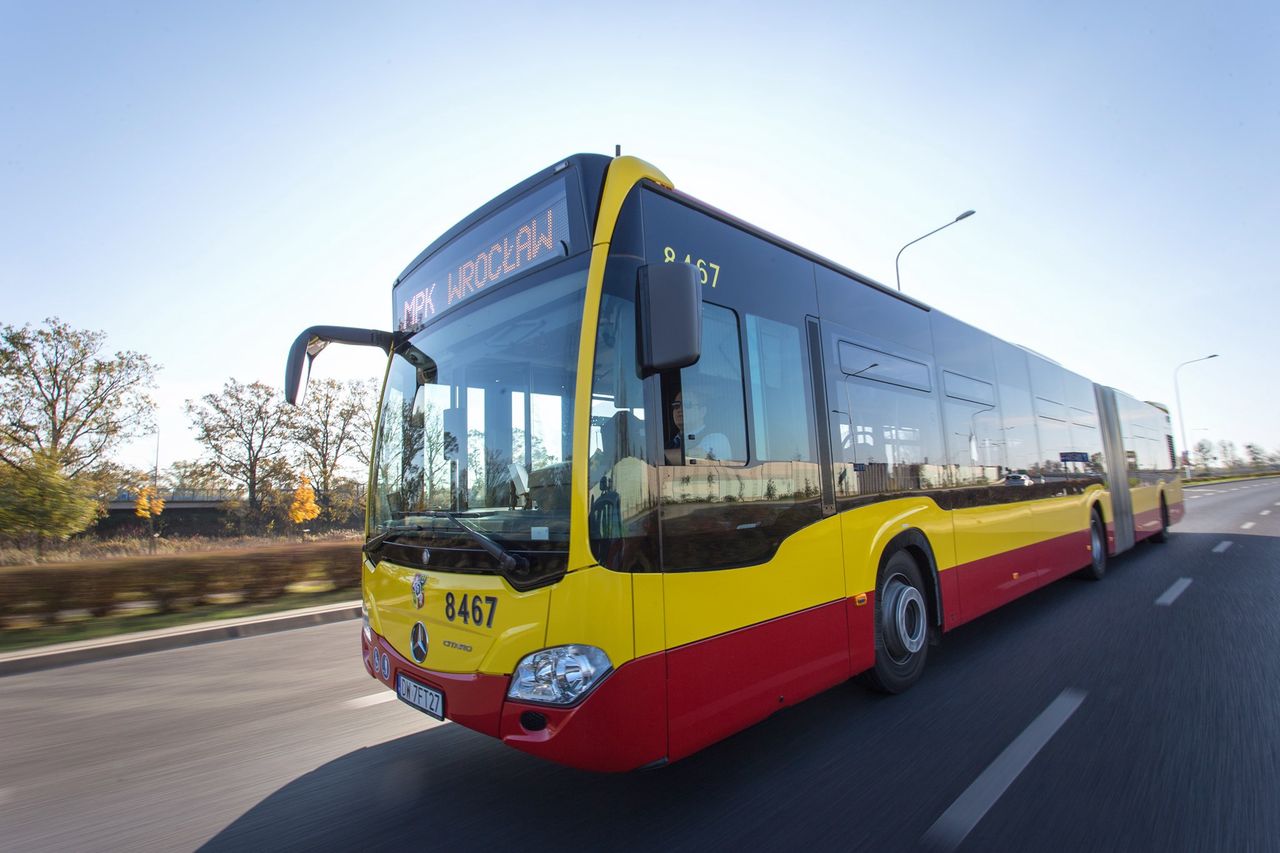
<point>368,629</point>
<point>560,675</point>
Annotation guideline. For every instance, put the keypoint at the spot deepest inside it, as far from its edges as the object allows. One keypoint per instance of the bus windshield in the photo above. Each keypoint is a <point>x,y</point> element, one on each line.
<point>476,418</point>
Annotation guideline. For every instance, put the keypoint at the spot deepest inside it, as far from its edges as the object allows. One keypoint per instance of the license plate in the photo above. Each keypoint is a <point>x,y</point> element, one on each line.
<point>426,699</point>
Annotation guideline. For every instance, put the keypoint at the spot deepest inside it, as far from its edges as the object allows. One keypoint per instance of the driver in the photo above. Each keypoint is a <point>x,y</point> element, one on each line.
<point>688,415</point>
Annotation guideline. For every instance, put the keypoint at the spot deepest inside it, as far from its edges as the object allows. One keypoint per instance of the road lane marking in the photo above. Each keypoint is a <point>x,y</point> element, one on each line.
<point>969,808</point>
<point>1222,546</point>
<point>6,794</point>
<point>371,699</point>
<point>1247,525</point>
<point>1171,594</point>
<point>1265,512</point>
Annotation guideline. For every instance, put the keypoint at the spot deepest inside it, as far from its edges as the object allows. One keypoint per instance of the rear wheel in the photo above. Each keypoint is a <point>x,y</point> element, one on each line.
<point>1097,548</point>
<point>902,626</point>
<point>1162,534</point>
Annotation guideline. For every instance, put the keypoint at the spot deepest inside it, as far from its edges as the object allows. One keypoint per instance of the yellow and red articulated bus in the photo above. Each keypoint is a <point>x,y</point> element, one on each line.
<point>645,474</point>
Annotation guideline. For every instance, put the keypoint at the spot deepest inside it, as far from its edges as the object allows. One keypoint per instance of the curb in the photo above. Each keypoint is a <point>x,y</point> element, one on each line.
<point>126,645</point>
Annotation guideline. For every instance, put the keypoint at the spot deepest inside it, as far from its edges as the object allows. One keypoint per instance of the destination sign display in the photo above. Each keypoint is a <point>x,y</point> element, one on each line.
<point>531,231</point>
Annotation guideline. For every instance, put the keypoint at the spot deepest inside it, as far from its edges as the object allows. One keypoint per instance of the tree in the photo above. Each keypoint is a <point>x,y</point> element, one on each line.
<point>1257,455</point>
<point>148,503</point>
<point>186,476</point>
<point>328,428</point>
<point>1204,453</point>
<point>366,425</point>
<point>304,507</point>
<point>1227,453</point>
<point>38,499</point>
<point>61,397</point>
<point>245,431</point>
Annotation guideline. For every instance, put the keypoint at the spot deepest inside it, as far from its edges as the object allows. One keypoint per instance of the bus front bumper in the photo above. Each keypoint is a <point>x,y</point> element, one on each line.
<point>620,725</point>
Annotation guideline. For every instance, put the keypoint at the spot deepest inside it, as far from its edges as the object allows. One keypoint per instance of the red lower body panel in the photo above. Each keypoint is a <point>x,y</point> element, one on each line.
<point>985,584</point>
<point>723,684</point>
<point>1148,523</point>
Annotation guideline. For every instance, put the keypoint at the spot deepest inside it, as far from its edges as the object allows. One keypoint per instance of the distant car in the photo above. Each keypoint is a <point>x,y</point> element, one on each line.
<point>1017,480</point>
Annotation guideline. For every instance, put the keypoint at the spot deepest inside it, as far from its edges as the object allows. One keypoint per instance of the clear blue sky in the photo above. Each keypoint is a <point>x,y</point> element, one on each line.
<point>203,182</point>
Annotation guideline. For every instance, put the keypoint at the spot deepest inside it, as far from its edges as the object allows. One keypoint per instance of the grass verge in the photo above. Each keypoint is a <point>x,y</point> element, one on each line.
<point>89,628</point>
<point>1211,480</point>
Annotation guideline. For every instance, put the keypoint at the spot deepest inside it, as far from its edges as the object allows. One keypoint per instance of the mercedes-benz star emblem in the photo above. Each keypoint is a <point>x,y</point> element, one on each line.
<point>418,642</point>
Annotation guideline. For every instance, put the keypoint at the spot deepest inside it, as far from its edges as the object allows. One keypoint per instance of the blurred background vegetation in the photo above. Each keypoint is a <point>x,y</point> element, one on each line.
<point>272,508</point>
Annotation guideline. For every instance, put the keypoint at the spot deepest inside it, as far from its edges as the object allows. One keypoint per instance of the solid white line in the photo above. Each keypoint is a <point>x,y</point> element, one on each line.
<point>1247,525</point>
<point>371,699</point>
<point>1171,594</point>
<point>1222,546</point>
<point>959,820</point>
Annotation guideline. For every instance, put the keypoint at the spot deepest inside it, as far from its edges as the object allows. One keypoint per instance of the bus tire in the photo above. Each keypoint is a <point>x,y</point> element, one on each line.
<point>1097,567</point>
<point>902,625</point>
<point>1162,535</point>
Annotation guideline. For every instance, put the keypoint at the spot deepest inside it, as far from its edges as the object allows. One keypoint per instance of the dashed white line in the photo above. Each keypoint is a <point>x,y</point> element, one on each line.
<point>1265,512</point>
<point>1222,546</point>
<point>371,699</point>
<point>1171,594</point>
<point>963,815</point>
<point>1247,525</point>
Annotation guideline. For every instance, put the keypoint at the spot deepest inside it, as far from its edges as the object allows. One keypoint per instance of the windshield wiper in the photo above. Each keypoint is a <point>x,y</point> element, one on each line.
<point>509,562</point>
<point>395,530</point>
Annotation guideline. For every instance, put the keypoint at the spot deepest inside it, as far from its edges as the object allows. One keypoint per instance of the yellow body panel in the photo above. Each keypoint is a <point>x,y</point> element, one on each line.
<point>1145,498</point>
<point>868,530</point>
<point>650,615</point>
<point>593,606</point>
<point>519,618</point>
<point>804,572</point>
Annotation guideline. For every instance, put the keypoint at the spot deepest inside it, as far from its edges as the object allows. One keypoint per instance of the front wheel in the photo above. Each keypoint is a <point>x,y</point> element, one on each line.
<point>902,626</point>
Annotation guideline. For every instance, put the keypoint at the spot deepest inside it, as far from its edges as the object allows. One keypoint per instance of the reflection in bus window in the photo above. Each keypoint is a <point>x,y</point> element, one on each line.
<point>892,444</point>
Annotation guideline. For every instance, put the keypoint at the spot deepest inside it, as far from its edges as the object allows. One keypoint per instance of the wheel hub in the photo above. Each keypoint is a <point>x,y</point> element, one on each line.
<point>904,618</point>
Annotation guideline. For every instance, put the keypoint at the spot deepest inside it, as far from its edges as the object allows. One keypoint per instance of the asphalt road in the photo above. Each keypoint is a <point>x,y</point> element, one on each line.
<point>1138,713</point>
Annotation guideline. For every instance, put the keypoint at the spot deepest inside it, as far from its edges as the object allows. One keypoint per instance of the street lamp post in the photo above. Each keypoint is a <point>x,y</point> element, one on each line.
<point>896,273</point>
<point>1182,425</point>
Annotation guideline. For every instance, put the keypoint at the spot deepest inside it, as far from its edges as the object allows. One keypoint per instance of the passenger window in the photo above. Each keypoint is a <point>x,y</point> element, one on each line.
<point>892,444</point>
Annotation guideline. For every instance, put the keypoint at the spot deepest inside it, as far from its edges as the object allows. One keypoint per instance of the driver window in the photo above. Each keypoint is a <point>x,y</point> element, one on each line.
<point>705,416</point>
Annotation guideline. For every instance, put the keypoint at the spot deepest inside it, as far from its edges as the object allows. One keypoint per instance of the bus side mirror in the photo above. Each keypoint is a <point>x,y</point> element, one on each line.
<point>308,345</point>
<point>668,317</point>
